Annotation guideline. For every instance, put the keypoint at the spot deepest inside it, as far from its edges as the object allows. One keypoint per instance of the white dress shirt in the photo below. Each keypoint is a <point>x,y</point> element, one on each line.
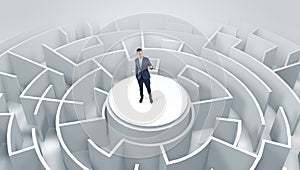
<point>140,61</point>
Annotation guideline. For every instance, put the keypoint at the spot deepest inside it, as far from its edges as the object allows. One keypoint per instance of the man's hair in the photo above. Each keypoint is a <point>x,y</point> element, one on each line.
<point>139,49</point>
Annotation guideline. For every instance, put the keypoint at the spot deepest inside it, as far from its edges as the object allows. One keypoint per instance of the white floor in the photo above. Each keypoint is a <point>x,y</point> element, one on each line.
<point>245,141</point>
<point>52,151</point>
<point>25,128</point>
<point>169,101</point>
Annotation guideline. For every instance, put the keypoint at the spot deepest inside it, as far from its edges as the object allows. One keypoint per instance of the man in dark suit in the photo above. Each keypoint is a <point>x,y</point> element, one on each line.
<point>142,74</point>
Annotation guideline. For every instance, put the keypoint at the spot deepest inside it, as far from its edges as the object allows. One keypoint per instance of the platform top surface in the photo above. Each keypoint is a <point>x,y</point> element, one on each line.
<point>170,100</point>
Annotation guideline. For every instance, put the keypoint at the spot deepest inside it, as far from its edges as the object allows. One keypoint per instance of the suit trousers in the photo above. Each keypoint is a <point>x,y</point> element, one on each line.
<point>147,84</point>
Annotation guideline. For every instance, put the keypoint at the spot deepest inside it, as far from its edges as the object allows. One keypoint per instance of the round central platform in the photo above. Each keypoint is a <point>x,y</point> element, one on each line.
<point>170,100</point>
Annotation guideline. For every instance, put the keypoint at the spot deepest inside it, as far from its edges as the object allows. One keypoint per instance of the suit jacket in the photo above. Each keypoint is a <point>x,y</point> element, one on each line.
<point>142,71</point>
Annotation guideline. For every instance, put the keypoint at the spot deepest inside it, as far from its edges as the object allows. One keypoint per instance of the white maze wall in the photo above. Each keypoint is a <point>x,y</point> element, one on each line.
<point>243,88</point>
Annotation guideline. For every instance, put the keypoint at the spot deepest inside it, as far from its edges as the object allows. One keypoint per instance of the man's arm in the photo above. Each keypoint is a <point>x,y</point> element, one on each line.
<point>136,68</point>
<point>149,64</point>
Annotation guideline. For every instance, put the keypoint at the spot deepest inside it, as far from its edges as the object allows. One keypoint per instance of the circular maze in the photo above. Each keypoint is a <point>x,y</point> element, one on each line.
<point>228,101</point>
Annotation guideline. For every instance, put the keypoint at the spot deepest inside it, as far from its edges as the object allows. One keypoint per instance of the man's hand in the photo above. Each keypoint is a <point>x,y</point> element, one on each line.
<point>151,67</point>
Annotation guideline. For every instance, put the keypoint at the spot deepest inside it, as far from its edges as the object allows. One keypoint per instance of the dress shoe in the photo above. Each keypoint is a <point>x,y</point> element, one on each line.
<point>141,100</point>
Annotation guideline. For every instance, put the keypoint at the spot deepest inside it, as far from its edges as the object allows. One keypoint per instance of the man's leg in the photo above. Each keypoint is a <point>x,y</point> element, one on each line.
<point>140,82</point>
<point>147,83</point>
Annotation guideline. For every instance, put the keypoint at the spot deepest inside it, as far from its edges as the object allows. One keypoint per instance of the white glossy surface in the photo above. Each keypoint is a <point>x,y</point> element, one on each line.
<point>169,101</point>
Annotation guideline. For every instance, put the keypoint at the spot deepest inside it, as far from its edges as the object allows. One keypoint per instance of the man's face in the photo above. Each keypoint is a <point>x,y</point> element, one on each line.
<point>140,54</point>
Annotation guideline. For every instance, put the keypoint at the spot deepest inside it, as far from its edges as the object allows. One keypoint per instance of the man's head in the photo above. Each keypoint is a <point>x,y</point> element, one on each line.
<point>139,52</point>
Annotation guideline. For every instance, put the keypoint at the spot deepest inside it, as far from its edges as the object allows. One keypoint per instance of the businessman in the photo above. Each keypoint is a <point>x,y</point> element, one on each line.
<point>142,74</point>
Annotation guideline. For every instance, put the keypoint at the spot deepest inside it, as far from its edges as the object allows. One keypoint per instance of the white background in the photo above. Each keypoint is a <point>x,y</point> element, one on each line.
<point>279,16</point>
